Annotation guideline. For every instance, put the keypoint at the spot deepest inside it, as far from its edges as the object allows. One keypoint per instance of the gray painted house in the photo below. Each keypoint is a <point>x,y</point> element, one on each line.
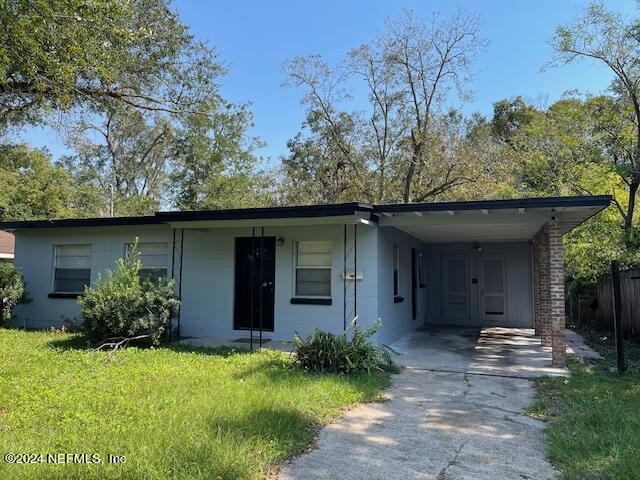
<point>292,269</point>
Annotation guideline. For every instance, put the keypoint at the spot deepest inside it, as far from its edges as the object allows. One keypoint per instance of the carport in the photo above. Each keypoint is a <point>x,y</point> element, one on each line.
<point>496,263</point>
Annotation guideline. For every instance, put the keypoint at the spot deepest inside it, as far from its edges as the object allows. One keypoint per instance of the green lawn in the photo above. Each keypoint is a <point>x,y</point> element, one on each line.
<point>594,418</point>
<point>172,412</point>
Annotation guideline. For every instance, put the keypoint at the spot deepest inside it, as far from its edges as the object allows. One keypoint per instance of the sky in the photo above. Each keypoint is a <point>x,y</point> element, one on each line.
<point>254,38</point>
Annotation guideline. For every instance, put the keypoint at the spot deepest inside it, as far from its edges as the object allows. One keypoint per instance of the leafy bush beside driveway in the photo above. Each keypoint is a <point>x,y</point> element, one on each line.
<point>349,352</point>
<point>125,304</point>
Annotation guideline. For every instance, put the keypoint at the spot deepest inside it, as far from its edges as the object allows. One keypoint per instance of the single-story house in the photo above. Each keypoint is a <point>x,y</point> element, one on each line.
<point>291,269</point>
<point>7,241</point>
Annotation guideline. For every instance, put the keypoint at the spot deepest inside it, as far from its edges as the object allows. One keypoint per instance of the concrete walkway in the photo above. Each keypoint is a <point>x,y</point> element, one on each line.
<point>454,413</point>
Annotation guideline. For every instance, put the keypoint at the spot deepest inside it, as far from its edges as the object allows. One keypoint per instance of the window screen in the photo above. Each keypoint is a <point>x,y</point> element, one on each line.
<point>154,258</point>
<point>313,269</point>
<point>72,268</point>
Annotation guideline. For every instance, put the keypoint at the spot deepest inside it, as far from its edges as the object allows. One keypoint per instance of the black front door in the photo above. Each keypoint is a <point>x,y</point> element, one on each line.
<point>255,265</point>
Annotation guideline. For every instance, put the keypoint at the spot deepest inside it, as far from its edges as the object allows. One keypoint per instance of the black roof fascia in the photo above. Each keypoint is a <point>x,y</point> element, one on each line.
<point>309,211</point>
<point>543,202</point>
<point>305,211</point>
<point>81,222</point>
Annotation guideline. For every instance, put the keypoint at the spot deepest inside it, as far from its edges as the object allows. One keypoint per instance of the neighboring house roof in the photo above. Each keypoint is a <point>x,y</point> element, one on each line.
<point>441,218</point>
<point>7,242</point>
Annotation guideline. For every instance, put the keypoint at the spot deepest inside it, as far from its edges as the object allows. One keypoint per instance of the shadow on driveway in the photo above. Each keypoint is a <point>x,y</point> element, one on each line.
<point>453,413</point>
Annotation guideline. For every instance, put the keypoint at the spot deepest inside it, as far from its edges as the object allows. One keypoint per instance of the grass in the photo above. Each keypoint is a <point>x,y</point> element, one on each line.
<point>594,416</point>
<point>172,412</point>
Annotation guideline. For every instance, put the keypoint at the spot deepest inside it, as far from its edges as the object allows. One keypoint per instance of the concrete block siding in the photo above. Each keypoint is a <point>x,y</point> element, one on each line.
<point>208,278</point>
<point>396,317</point>
<point>34,255</point>
<point>208,282</point>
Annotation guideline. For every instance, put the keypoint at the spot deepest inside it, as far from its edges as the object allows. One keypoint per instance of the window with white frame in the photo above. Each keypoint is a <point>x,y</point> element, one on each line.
<point>313,269</point>
<point>72,268</point>
<point>154,258</point>
<point>396,271</point>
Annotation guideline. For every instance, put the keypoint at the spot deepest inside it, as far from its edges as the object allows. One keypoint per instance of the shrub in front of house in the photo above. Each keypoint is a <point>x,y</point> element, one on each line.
<point>11,291</point>
<point>125,304</point>
<point>349,352</point>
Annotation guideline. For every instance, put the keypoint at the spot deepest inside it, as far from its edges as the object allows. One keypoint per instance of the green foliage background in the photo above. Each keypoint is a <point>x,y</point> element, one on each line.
<point>137,99</point>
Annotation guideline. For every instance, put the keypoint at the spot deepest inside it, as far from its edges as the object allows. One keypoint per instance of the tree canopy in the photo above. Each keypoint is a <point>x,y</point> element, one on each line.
<point>407,146</point>
<point>138,97</point>
<point>60,55</point>
<point>140,108</point>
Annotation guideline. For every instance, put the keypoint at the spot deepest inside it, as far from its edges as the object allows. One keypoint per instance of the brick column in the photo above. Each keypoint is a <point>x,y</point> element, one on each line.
<point>543,309</point>
<point>548,286</point>
<point>557,301</point>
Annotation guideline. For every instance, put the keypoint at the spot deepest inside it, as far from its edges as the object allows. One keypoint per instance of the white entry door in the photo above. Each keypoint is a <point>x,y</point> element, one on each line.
<point>456,289</point>
<point>493,288</point>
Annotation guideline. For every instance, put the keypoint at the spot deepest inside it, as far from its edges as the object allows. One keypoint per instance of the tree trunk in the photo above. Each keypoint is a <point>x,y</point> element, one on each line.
<point>407,196</point>
<point>633,190</point>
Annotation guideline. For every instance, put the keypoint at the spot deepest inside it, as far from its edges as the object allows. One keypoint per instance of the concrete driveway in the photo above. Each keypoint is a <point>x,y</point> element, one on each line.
<point>454,413</point>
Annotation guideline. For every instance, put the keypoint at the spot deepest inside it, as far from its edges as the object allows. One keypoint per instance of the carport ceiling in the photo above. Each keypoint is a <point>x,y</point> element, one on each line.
<point>491,221</point>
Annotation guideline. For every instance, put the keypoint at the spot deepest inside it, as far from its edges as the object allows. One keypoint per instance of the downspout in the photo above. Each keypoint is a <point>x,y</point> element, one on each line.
<point>173,270</point>
<point>180,279</point>
<point>344,281</point>
<point>355,272</point>
<point>261,281</point>
<point>251,285</point>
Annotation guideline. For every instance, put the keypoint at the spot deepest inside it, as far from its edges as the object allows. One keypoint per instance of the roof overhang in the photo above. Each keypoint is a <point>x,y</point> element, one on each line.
<point>489,221</point>
<point>486,220</point>
<point>80,222</point>
<point>272,222</point>
<point>342,213</point>
<point>345,213</point>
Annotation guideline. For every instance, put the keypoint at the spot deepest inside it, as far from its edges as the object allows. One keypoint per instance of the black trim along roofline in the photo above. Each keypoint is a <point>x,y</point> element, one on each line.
<point>311,211</point>
<point>303,211</point>
<point>541,202</point>
<point>81,222</point>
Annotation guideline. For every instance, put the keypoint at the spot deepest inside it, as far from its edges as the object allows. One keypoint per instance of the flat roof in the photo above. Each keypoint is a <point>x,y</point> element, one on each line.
<point>513,220</point>
<point>514,203</point>
<point>80,222</point>
<point>364,210</point>
<point>301,211</point>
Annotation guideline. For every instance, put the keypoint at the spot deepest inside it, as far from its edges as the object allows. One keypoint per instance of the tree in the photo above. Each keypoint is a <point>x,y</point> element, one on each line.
<point>31,187</point>
<point>329,158</point>
<point>213,162</point>
<point>408,72</point>
<point>570,148</point>
<point>608,38</point>
<point>59,55</point>
<point>428,60</point>
<point>133,83</point>
<point>124,154</point>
